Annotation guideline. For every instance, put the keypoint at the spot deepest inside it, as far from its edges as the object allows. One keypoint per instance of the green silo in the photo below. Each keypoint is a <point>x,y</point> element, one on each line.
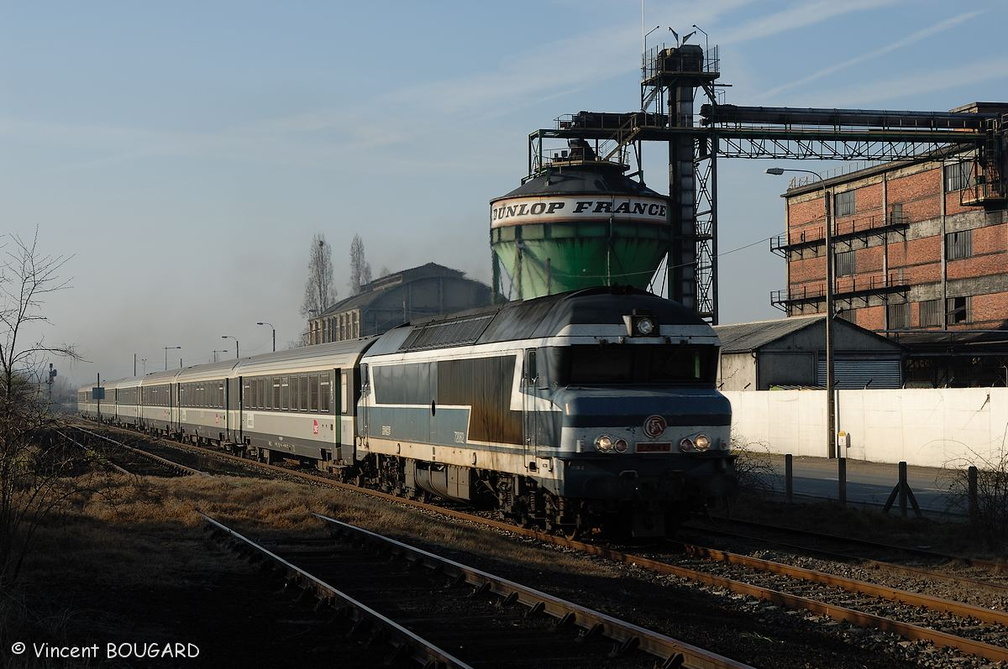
<point>580,222</point>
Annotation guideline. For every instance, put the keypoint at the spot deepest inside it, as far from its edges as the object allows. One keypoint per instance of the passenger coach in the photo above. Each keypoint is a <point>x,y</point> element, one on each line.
<point>300,403</point>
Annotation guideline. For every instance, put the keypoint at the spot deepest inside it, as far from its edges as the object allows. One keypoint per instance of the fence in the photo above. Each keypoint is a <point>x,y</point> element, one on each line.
<point>946,427</point>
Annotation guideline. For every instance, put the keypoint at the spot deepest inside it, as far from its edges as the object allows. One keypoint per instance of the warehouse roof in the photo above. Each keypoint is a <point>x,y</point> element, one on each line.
<point>742,337</point>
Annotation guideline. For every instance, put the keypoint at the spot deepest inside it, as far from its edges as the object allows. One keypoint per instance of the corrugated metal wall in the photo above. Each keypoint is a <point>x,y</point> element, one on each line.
<point>852,374</point>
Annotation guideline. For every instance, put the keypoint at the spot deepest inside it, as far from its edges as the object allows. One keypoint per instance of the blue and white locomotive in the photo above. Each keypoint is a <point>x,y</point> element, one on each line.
<point>570,412</point>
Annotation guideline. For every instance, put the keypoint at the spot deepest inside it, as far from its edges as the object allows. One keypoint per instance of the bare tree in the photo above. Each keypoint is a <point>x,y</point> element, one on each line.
<point>360,268</point>
<point>33,465</point>
<point>320,292</point>
<point>978,485</point>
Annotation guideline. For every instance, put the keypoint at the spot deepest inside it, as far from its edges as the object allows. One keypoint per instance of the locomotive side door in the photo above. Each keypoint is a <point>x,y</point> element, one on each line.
<point>529,380</point>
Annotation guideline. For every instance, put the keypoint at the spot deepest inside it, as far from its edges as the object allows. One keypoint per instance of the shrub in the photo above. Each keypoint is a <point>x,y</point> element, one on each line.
<point>987,506</point>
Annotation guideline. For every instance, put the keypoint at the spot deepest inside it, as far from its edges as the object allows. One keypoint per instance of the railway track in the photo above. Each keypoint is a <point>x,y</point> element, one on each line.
<point>140,454</point>
<point>424,603</point>
<point>125,458</point>
<point>978,629</point>
<point>840,547</point>
<point>970,580</point>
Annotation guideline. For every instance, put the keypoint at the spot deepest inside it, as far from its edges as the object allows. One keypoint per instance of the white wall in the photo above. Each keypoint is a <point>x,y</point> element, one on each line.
<point>925,427</point>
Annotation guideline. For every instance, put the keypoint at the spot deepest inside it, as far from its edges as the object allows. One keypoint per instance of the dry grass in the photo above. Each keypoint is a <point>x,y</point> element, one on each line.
<point>95,570</point>
<point>131,560</point>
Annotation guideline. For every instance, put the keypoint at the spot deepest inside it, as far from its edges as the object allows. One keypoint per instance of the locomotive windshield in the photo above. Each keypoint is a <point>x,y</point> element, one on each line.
<point>634,364</point>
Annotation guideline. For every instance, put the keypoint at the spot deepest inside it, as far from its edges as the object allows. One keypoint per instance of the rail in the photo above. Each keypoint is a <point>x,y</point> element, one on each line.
<point>144,454</point>
<point>671,651</point>
<point>422,650</point>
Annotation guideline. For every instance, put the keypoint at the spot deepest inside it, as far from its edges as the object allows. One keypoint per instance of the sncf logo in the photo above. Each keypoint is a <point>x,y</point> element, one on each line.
<point>654,426</point>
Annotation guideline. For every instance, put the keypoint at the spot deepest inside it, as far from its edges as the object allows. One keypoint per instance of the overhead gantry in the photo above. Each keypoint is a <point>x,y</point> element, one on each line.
<point>671,79</point>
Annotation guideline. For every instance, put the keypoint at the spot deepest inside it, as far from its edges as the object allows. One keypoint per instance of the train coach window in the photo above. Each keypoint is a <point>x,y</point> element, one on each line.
<point>345,392</point>
<point>284,393</point>
<point>313,392</point>
<point>275,403</point>
<point>325,393</point>
<point>303,395</point>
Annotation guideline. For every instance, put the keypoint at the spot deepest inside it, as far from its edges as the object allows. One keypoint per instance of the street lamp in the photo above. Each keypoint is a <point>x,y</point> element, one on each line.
<point>216,351</point>
<point>166,349</point>
<point>274,332</point>
<point>831,449</point>
<point>236,344</point>
<point>643,55</point>
<point>706,39</point>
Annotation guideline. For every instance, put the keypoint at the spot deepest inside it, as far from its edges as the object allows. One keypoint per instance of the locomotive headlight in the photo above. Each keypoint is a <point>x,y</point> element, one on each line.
<point>702,442</point>
<point>620,445</point>
<point>640,325</point>
<point>686,445</point>
<point>604,443</point>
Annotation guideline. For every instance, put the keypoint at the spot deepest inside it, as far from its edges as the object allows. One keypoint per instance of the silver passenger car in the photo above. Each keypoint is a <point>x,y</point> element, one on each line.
<point>299,403</point>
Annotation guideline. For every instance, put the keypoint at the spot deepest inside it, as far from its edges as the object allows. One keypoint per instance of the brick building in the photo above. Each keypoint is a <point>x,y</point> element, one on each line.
<point>920,250</point>
<point>915,246</point>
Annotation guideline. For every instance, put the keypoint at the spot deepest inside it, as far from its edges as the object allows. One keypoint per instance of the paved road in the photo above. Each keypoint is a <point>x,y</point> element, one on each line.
<point>870,483</point>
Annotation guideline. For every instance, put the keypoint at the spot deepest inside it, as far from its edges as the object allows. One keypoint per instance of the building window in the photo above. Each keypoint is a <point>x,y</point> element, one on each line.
<point>898,316</point>
<point>843,203</point>
<point>844,263</point>
<point>896,214</point>
<point>958,245</point>
<point>958,176</point>
<point>958,309</point>
<point>930,313</point>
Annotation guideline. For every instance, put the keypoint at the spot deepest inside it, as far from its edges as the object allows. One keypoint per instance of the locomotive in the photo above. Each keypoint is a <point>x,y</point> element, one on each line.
<point>589,410</point>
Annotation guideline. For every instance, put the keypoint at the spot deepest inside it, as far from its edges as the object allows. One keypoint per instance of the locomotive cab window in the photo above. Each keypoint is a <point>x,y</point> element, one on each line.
<point>630,364</point>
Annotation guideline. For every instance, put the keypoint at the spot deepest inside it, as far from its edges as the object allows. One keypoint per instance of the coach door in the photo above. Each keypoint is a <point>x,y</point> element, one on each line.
<point>363,422</point>
<point>232,408</point>
<point>341,405</point>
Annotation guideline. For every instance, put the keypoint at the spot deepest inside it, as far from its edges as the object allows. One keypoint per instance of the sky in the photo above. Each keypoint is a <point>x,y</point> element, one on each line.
<point>181,155</point>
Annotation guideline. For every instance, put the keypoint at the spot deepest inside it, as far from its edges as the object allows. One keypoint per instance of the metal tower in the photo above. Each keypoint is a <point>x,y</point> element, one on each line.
<point>671,77</point>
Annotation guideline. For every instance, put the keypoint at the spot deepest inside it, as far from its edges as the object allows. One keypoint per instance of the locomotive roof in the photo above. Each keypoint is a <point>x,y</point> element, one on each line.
<point>534,319</point>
